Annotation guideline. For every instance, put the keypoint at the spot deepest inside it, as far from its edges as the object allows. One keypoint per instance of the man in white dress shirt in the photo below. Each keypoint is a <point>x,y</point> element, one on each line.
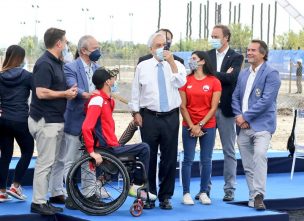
<point>155,104</point>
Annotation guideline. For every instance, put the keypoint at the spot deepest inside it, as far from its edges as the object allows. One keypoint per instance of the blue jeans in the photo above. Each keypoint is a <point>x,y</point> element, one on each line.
<point>206,145</point>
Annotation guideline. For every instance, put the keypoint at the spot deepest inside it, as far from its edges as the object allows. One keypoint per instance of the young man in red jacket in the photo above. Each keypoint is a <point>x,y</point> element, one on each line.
<point>99,122</point>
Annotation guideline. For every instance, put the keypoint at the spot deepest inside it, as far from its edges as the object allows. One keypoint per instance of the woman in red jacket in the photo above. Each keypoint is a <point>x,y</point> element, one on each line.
<point>200,97</point>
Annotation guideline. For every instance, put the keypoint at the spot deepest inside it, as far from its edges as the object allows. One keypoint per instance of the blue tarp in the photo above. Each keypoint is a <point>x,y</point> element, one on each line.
<point>279,59</point>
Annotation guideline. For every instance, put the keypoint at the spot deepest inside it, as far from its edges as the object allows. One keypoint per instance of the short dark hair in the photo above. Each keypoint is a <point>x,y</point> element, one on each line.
<point>263,49</point>
<point>51,36</point>
<point>165,30</point>
<point>14,56</point>
<point>207,68</point>
<point>225,30</point>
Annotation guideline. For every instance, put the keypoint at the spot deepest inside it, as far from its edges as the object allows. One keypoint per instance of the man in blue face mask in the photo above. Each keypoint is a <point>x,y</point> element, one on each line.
<point>79,72</point>
<point>169,36</point>
<point>227,64</point>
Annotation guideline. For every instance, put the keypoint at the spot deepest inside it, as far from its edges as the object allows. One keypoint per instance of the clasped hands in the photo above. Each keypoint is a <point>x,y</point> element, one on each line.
<point>240,121</point>
<point>196,131</point>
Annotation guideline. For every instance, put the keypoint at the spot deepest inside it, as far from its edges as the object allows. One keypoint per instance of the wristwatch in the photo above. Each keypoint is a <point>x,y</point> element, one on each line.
<point>201,124</point>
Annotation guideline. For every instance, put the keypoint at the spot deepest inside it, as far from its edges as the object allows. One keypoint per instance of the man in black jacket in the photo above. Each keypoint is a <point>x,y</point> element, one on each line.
<point>227,64</point>
<point>169,37</point>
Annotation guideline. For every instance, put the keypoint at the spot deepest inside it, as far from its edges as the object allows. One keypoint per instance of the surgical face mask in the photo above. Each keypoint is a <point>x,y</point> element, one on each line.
<point>216,43</point>
<point>95,55</point>
<point>65,51</point>
<point>68,58</point>
<point>193,65</point>
<point>114,87</point>
<point>160,53</point>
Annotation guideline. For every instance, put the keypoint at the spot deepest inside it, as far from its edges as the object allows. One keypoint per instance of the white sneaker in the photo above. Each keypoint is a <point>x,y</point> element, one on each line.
<point>251,203</point>
<point>204,199</point>
<point>4,197</point>
<point>187,199</point>
<point>133,192</point>
<point>16,192</point>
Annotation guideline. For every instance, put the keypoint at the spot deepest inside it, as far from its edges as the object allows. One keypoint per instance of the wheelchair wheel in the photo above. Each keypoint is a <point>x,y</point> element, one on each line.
<point>136,209</point>
<point>98,190</point>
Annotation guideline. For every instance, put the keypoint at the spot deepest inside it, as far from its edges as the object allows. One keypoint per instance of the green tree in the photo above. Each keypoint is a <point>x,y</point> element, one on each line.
<point>290,40</point>
<point>240,36</point>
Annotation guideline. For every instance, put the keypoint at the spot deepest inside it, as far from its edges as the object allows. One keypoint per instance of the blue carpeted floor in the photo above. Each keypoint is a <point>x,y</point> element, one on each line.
<point>279,186</point>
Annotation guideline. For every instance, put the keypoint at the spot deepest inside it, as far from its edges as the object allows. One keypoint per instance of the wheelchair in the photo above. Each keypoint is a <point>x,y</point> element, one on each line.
<point>102,189</point>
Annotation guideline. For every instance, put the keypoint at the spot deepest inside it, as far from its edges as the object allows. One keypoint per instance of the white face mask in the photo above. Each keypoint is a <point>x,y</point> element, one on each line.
<point>67,55</point>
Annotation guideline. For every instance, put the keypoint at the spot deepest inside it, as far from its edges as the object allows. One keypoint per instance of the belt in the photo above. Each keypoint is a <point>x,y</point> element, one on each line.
<point>159,114</point>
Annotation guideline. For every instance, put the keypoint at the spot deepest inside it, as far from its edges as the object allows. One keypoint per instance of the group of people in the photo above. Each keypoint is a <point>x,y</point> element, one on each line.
<point>215,95</point>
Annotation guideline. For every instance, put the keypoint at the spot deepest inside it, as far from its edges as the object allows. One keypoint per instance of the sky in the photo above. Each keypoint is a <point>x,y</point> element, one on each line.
<point>127,20</point>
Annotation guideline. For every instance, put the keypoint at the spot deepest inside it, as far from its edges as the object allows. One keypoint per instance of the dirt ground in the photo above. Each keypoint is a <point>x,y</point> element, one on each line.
<point>286,101</point>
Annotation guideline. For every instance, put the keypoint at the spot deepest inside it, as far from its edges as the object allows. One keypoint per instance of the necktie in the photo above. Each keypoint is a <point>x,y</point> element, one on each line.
<point>163,97</point>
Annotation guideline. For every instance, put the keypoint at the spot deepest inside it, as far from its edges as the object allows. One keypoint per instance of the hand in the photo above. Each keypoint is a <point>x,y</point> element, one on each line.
<point>97,157</point>
<point>168,56</point>
<point>229,71</point>
<point>72,92</point>
<point>138,119</point>
<point>196,131</point>
<point>239,120</point>
<point>245,125</point>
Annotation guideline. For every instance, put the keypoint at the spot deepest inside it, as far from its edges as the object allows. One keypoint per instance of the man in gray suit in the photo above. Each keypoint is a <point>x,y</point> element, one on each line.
<point>78,72</point>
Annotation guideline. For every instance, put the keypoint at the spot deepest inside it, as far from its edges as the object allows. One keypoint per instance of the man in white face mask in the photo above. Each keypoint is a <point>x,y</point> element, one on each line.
<point>227,64</point>
<point>155,104</point>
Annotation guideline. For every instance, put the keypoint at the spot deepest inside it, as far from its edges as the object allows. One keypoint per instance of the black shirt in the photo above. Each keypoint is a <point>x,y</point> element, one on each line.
<point>48,73</point>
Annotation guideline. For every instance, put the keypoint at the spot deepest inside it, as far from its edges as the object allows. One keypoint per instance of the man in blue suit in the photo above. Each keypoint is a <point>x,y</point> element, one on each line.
<point>78,72</point>
<point>254,106</point>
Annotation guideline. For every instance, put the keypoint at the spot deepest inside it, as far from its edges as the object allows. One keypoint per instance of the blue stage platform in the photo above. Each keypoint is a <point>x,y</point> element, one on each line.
<point>282,194</point>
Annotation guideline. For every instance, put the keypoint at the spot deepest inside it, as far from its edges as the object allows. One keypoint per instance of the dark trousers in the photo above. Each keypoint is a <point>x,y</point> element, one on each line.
<point>161,130</point>
<point>10,130</point>
<point>140,150</point>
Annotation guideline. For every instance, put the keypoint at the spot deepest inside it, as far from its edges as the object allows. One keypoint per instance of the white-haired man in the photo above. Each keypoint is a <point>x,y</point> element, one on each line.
<point>155,104</point>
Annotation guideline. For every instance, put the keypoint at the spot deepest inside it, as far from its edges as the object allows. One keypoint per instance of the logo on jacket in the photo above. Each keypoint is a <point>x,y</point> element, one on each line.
<point>189,86</point>
<point>206,88</point>
<point>258,92</point>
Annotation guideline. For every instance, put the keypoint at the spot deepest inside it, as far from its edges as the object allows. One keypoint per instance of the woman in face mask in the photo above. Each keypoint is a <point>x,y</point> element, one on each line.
<point>15,86</point>
<point>200,98</point>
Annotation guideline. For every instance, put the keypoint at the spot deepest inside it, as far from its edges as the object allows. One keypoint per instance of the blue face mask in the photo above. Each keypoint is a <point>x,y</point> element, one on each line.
<point>193,65</point>
<point>95,55</point>
<point>65,51</point>
<point>216,43</point>
<point>114,88</point>
<point>160,53</point>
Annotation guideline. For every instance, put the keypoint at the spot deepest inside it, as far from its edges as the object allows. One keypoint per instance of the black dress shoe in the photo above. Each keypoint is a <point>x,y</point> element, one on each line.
<point>149,204</point>
<point>165,204</point>
<point>57,199</point>
<point>42,209</point>
<point>54,208</point>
